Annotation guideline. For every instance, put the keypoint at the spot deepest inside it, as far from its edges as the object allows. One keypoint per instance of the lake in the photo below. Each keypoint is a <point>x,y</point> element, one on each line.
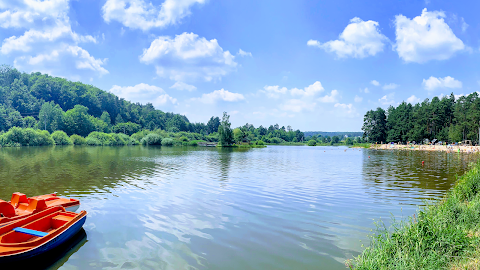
<point>280,207</point>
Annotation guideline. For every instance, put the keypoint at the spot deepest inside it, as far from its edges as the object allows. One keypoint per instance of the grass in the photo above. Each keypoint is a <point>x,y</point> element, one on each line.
<point>444,234</point>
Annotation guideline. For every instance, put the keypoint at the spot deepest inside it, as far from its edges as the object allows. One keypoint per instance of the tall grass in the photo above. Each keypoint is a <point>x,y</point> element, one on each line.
<point>442,235</point>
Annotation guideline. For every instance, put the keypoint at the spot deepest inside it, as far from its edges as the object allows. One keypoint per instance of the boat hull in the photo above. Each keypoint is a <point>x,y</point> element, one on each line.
<point>51,244</point>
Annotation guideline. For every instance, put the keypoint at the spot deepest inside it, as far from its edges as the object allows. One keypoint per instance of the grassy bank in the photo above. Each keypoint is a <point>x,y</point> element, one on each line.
<point>442,235</point>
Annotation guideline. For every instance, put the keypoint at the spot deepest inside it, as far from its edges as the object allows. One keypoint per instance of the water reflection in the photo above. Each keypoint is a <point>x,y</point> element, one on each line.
<point>279,207</point>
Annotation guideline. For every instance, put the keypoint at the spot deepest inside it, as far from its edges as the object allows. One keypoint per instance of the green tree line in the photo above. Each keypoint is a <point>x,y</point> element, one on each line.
<point>446,119</point>
<point>41,102</point>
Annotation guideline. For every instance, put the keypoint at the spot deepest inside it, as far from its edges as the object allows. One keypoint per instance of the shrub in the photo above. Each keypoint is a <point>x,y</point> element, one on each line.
<point>27,137</point>
<point>139,135</point>
<point>260,142</point>
<point>77,139</point>
<point>168,142</point>
<point>152,139</point>
<point>61,138</point>
<point>128,139</point>
<point>312,143</point>
<point>93,141</point>
<point>100,138</point>
<point>276,140</point>
<point>183,139</point>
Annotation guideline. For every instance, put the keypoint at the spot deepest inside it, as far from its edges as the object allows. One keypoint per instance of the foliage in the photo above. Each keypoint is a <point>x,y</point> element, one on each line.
<point>225,132</point>
<point>25,137</point>
<point>375,125</point>
<point>447,119</point>
<point>128,128</point>
<point>77,139</point>
<point>105,139</point>
<point>61,138</point>
<point>444,235</point>
<point>168,142</point>
<point>312,143</point>
<point>152,139</point>
<point>259,142</point>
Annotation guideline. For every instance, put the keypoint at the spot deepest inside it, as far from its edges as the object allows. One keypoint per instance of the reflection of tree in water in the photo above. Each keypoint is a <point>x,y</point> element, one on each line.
<point>403,170</point>
<point>224,159</point>
<point>40,170</point>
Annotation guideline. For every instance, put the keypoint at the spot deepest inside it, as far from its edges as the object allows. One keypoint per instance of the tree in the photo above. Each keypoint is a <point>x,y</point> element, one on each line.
<point>224,131</point>
<point>213,124</point>
<point>374,125</point>
<point>78,121</point>
<point>239,135</point>
<point>50,117</point>
<point>106,118</point>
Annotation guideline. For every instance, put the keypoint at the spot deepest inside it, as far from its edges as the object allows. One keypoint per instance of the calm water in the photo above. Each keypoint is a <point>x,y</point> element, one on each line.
<point>281,207</point>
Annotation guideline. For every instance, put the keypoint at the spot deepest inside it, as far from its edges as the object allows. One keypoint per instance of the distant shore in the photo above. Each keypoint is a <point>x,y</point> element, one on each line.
<point>442,148</point>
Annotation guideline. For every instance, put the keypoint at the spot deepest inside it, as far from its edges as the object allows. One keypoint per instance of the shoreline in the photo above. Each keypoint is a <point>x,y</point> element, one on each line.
<point>440,148</point>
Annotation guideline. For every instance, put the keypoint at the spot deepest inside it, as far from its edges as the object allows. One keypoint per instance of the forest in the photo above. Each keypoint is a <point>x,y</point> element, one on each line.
<point>37,102</point>
<point>443,119</point>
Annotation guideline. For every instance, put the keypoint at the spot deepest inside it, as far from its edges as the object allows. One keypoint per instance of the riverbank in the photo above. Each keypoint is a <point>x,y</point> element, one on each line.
<point>443,235</point>
<point>442,148</point>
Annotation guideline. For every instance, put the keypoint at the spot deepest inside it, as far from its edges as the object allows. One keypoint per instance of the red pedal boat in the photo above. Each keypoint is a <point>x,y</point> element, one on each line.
<point>20,206</point>
<point>38,233</point>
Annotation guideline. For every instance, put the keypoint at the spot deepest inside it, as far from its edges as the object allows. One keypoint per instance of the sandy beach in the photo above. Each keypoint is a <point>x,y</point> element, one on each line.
<point>444,148</point>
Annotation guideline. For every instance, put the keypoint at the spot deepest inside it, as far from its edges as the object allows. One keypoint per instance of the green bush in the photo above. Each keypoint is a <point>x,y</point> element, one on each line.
<point>312,143</point>
<point>276,140</point>
<point>61,138</point>
<point>152,139</point>
<point>183,139</point>
<point>168,142</point>
<point>260,142</point>
<point>139,135</point>
<point>26,137</point>
<point>77,139</point>
<point>105,139</point>
<point>128,139</point>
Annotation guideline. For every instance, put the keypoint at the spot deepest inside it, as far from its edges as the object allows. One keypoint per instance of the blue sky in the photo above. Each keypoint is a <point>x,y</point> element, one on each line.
<point>314,65</point>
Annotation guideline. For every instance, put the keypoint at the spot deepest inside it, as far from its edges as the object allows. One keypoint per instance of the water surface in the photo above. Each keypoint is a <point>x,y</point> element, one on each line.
<point>280,207</point>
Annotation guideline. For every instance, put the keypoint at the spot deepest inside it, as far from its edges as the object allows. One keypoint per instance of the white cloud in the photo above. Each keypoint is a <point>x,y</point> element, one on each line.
<point>143,93</point>
<point>464,25</point>
<point>188,56</point>
<point>217,95</point>
<point>374,82</point>
<point>366,91</point>
<point>387,99</point>
<point>359,39</point>
<point>49,44</point>
<point>333,97</point>
<point>346,108</point>
<point>183,86</point>
<point>308,91</point>
<point>426,37</point>
<point>390,86</point>
<point>244,53</point>
<point>433,83</point>
<point>413,99</point>
<point>273,91</point>
<point>358,99</point>
<point>139,14</point>
<point>297,105</point>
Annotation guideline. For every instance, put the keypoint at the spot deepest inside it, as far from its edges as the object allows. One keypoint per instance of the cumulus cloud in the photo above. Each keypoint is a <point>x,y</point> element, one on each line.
<point>413,99</point>
<point>425,37</point>
<point>358,99</point>
<point>387,99</point>
<point>359,39</point>
<point>297,105</point>
<point>348,109</point>
<point>333,97</point>
<point>273,91</point>
<point>244,53</point>
<point>433,83</point>
<point>218,95</point>
<point>183,86</point>
<point>374,82</point>
<point>365,90</point>
<point>390,86</point>
<point>143,93</point>
<point>308,91</point>
<point>48,44</point>
<point>188,56</point>
<point>139,14</point>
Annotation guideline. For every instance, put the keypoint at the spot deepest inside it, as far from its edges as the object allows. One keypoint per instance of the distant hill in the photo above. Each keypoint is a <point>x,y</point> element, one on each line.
<point>336,133</point>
